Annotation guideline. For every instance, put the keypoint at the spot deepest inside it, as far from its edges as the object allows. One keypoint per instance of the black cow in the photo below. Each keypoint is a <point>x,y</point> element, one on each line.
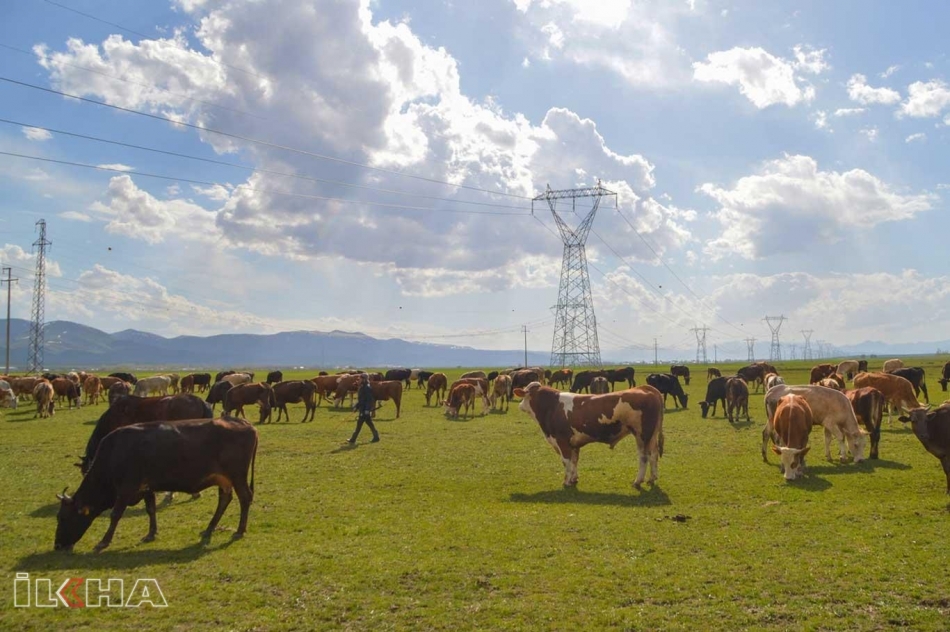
<point>202,381</point>
<point>945,376</point>
<point>217,392</point>
<point>129,409</point>
<point>582,380</point>
<point>737,399</point>
<point>51,376</point>
<point>402,375</point>
<point>274,377</point>
<point>221,374</point>
<point>916,376</point>
<point>423,378</point>
<point>125,377</point>
<point>136,461</point>
<point>862,366</point>
<point>491,377</point>
<point>715,393</point>
<point>932,428</point>
<point>625,374</point>
<point>680,370</point>
<point>668,385</point>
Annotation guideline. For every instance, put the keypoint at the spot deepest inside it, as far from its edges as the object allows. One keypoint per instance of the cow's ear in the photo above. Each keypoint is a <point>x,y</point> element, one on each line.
<point>519,392</point>
<point>904,418</point>
<point>776,450</point>
<point>804,451</point>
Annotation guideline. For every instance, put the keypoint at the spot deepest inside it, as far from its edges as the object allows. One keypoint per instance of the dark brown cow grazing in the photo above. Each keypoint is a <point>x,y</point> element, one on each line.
<point>117,390</point>
<point>64,388</point>
<point>715,393</point>
<point>241,395</point>
<point>621,375</point>
<point>789,433</point>
<point>481,389</point>
<point>294,392</point>
<point>668,385</point>
<point>712,372</point>
<point>561,376</point>
<point>462,394</point>
<point>868,404</point>
<point>932,428</point>
<point>570,421</point>
<point>436,384</point>
<point>945,376</point>
<point>582,380</point>
<point>217,393</point>
<point>389,390</point>
<point>737,399</point>
<point>136,461</point>
<point>755,373</point>
<point>680,370</point>
<point>821,371</point>
<point>402,375</point>
<point>917,378</point>
<point>129,409</point>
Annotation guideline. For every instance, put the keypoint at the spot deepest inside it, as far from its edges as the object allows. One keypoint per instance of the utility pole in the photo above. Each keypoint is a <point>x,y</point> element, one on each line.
<point>9,281</point>
<point>524,329</point>
<point>750,343</point>
<point>655,360</point>
<point>716,354</point>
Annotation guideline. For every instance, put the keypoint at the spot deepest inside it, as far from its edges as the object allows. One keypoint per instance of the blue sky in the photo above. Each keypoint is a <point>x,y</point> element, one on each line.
<point>780,157</point>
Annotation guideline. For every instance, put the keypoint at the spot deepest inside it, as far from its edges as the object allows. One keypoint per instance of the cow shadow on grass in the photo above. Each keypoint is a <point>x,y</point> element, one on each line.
<point>868,465</point>
<point>650,496</point>
<point>122,559</point>
<point>21,415</point>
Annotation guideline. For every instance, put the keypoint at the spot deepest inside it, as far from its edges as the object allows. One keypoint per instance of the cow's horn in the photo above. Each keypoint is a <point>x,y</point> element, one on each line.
<point>63,496</point>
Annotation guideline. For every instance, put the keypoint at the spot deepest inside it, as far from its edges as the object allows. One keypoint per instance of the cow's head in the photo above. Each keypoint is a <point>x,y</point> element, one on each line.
<point>705,406</point>
<point>72,522</point>
<point>526,395</point>
<point>917,417</point>
<point>793,461</point>
<point>857,445</point>
<point>683,399</point>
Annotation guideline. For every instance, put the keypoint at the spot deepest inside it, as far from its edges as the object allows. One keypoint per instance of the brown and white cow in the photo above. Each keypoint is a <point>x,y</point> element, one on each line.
<point>570,421</point>
<point>898,391</point>
<point>830,382</point>
<point>436,385</point>
<point>326,385</point>
<point>45,403</point>
<point>599,386</point>
<point>830,409</point>
<point>481,389</point>
<point>820,372</point>
<point>347,385</point>
<point>462,394</point>
<point>848,369</point>
<point>501,392</point>
<point>790,430</point>
<point>773,379</point>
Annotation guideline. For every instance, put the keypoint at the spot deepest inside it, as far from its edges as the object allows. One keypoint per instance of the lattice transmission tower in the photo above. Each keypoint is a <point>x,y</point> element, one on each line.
<point>575,326</point>
<point>39,300</point>
<point>701,344</point>
<point>775,324</point>
<point>750,344</point>
<point>806,350</point>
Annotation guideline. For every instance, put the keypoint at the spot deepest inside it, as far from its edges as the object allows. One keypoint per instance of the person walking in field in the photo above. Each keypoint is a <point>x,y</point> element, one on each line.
<point>365,406</point>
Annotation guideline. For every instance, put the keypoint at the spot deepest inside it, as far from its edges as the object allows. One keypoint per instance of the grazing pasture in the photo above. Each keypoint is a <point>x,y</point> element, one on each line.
<point>457,524</point>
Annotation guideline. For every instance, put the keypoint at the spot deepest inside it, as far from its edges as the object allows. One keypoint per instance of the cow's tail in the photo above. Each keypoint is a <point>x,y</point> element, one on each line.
<point>253,459</point>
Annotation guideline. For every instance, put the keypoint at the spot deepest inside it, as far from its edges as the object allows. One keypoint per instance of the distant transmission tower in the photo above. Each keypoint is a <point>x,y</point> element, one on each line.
<point>700,344</point>
<point>806,351</point>
<point>792,355</point>
<point>775,324</point>
<point>575,326</point>
<point>750,343</point>
<point>39,301</point>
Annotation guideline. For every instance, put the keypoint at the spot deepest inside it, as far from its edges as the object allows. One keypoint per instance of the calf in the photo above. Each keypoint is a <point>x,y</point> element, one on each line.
<point>680,370</point>
<point>436,385</point>
<point>129,409</point>
<point>830,409</point>
<point>715,393</point>
<point>462,394</point>
<point>898,392</point>
<point>43,395</point>
<point>570,421</point>
<point>932,428</point>
<point>294,392</point>
<point>481,389</point>
<point>668,385</point>
<point>241,395</point>
<point>917,378</point>
<point>737,399</point>
<point>868,405</point>
<point>820,372</point>
<point>712,372</point>
<point>599,386</point>
<point>136,461</point>
<point>790,430</point>
<point>501,391</point>
<point>92,386</point>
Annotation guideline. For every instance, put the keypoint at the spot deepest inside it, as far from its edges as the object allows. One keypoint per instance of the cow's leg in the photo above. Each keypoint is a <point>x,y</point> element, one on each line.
<point>150,510</point>
<point>643,459</point>
<point>245,497</point>
<point>766,435</point>
<point>575,455</point>
<point>224,499</point>
<point>117,510</point>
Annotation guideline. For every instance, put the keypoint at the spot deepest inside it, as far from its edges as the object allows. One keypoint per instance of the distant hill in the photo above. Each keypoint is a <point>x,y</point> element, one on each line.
<point>71,345</point>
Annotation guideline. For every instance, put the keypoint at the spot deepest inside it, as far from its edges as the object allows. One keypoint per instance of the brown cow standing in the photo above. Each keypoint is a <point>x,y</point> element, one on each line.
<point>462,394</point>
<point>65,388</point>
<point>821,371</point>
<point>570,421</point>
<point>481,389</point>
<point>117,390</point>
<point>45,404</point>
<point>326,385</point>
<point>241,395</point>
<point>436,384</point>
<point>898,391</point>
<point>92,387</point>
<point>294,392</point>
<point>187,384</point>
<point>791,427</point>
<point>712,372</point>
<point>348,384</point>
<point>561,376</point>
<point>388,390</point>
<point>737,399</point>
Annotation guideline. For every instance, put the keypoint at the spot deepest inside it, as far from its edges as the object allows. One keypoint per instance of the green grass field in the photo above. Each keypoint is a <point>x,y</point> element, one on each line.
<point>464,524</point>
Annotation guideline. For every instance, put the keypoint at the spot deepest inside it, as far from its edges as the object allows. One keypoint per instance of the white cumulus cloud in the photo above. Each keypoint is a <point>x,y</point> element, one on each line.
<point>860,92</point>
<point>35,133</point>
<point>926,99</point>
<point>761,77</point>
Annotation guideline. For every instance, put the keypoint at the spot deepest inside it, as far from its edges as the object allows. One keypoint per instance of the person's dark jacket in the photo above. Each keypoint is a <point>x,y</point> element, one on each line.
<point>365,400</point>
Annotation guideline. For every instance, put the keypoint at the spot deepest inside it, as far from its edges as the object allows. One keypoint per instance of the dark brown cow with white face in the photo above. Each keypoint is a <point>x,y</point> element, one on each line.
<point>570,421</point>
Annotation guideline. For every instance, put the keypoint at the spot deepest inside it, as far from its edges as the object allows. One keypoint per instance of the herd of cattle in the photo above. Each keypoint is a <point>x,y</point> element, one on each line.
<point>127,457</point>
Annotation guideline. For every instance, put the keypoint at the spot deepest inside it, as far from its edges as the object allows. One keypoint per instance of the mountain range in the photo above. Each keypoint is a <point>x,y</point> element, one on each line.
<point>73,345</point>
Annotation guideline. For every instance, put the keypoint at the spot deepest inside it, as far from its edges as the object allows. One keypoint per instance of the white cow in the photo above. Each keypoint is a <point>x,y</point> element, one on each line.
<point>848,369</point>
<point>155,384</point>
<point>7,398</point>
<point>890,365</point>
<point>236,379</point>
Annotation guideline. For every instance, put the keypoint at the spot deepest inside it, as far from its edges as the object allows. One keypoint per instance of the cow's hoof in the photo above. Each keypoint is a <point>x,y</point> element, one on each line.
<point>205,536</point>
<point>237,535</point>
<point>149,538</point>
<point>638,486</point>
<point>99,548</point>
